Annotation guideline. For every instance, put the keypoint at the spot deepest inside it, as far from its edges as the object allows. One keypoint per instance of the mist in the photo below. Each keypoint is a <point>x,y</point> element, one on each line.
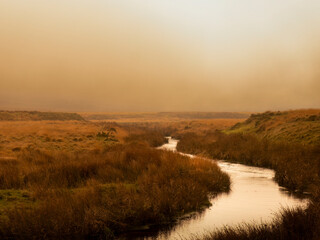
<point>168,55</point>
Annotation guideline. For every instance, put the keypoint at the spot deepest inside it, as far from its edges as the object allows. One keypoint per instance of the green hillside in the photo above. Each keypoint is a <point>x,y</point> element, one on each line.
<point>293,126</point>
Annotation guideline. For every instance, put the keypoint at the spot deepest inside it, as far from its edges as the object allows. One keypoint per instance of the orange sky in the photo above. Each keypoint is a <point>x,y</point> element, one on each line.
<point>159,55</point>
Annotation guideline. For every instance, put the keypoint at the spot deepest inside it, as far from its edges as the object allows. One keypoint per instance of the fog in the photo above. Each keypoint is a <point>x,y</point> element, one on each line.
<point>159,55</point>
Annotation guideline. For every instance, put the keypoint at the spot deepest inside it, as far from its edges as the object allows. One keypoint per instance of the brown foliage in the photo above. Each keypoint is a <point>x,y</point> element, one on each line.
<point>92,193</point>
<point>297,167</point>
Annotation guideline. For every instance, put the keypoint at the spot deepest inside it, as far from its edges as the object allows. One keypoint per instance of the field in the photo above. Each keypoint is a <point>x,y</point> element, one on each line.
<point>38,116</point>
<point>287,142</point>
<point>55,135</point>
<point>79,135</point>
<point>162,116</point>
<point>109,177</point>
<point>106,178</point>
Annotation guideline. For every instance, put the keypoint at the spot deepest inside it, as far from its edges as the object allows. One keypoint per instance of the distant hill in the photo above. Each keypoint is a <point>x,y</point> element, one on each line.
<point>38,116</point>
<point>165,115</point>
<point>293,126</point>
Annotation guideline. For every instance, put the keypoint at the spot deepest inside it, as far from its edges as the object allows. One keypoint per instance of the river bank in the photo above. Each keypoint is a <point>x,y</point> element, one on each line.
<point>254,197</point>
<point>96,194</point>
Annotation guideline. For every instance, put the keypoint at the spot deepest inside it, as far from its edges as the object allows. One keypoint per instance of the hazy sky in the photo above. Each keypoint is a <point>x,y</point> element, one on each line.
<point>159,55</point>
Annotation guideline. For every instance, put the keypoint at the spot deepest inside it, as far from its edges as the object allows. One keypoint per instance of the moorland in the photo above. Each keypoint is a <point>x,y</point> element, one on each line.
<point>108,177</point>
<point>289,143</point>
<point>94,179</point>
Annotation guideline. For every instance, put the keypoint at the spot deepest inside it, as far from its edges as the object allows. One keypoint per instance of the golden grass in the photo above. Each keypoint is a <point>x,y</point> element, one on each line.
<point>90,194</point>
<point>295,161</point>
<point>53,135</point>
<point>160,116</point>
<point>296,165</point>
<point>38,116</point>
<point>299,126</point>
<point>180,127</point>
<point>61,179</point>
<point>293,224</point>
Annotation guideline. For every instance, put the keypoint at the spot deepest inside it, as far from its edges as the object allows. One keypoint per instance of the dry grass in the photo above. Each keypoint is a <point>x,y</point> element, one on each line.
<point>298,126</point>
<point>297,166</point>
<point>121,187</point>
<point>161,116</point>
<point>82,179</point>
<point>178,128</point>
<point>38,116</point>
<point>53,135</point>
<point>293,224</point>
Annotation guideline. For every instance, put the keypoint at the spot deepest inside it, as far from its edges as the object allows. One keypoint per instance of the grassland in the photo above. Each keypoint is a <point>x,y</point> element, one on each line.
<point>70,136</point>
<point>56,194</point>
<point>273,140</point>
<point>298,126</point>
<point>108,177</point>
<point>181,127</point>
<point>67,179</point>
<point>38,116</point>
<point>163,116</point>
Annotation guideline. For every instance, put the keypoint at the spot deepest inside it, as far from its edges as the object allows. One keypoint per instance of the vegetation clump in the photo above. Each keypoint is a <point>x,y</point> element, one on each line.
<point>108,136</point>
<point>293,224</point>
<point>152,138</point>
<point>96,194</point>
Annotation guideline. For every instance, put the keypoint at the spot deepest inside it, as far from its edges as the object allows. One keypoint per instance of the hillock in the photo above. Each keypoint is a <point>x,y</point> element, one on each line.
<point>296,126</point>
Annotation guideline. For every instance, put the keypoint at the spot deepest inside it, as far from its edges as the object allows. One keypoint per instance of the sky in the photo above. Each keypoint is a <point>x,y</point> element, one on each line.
<point>159,55</point>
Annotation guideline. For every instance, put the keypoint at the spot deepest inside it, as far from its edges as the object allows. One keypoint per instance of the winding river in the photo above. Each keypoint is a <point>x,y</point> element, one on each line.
<point>254,198</point>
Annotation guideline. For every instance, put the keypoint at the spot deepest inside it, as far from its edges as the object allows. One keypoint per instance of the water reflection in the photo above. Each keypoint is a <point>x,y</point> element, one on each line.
<point>254,198</point>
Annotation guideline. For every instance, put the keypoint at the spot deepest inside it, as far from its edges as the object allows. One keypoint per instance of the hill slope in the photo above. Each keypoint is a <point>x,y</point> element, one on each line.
<point>37,116</point>
<point>293,126</point>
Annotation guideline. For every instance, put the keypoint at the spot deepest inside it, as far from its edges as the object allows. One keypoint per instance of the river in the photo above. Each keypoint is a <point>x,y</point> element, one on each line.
<point>254,198</point>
